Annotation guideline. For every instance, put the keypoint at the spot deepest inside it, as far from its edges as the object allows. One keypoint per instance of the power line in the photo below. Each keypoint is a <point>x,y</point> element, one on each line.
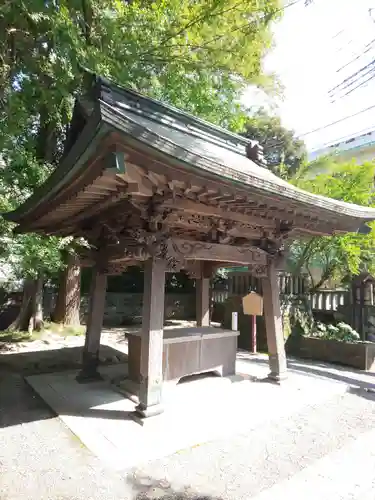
<point>347,82</point>
<point>328,125</point>
<point>370,71</point>
<point>337,121</point>
<point>361,84</point>
<point>368,47</point>
<point>358,76</point>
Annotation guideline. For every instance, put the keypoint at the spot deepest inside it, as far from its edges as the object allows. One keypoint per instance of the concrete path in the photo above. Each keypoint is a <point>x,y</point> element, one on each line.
<point>203,409</point>
<point>322,448</point>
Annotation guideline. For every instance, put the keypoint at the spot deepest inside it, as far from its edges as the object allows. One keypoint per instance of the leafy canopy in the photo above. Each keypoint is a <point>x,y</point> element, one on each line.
<point>283,152</point>
<point>340,256</point>
<point>25,255</point>
<point>197,55</point>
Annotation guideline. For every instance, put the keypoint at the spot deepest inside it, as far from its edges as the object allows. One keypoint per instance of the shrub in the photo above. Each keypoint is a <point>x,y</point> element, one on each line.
<point>342,332</point>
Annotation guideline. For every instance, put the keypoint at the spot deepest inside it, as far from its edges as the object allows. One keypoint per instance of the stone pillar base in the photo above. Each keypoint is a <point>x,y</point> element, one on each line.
<point>277,378</point>
<point>278,367</point>
<point>85,378</point>
<point>89,372</point>
<point>150,411</point>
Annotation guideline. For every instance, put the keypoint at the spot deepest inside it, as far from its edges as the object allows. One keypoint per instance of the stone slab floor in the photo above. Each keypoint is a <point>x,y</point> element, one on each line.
<point>320,448</point>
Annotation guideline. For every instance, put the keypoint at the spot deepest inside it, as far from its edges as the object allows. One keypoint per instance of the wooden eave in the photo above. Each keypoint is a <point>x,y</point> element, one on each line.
<point>178,162</point>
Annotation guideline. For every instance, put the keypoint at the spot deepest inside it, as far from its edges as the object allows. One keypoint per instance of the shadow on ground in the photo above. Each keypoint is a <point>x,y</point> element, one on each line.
<point>20,404</point>
<point>320,370</point>
<point>54,360</point>
<point>366,393</point>
<point>148,488</point>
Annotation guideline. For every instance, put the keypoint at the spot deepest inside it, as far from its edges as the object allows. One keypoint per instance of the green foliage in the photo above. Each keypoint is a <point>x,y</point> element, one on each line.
<point>342,332</point>
<point>282,150</point>
<point>62,330</point>
<point>299,313</point>
<point>26,254</point>
<point>197,55</point>
<point>13,337</point>
<point>342,255</point>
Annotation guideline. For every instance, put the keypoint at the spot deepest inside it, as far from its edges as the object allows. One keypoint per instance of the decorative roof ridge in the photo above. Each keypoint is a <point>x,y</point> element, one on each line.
<point>276,186</point>
<point>168,115</point>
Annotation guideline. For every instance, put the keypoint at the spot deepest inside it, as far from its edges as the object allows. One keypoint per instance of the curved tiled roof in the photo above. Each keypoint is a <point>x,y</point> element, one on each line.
<point>197,145</point>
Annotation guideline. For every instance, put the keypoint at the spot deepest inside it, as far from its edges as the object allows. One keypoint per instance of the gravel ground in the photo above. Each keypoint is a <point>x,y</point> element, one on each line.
<point>40,459</point>
<point>326,451</point>
<point>245,465</point>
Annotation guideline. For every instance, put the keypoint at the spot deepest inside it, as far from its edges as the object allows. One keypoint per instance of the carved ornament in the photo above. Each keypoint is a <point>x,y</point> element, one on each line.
<point>200,250</point>
<point>157,245</point>
<point>258,270</point>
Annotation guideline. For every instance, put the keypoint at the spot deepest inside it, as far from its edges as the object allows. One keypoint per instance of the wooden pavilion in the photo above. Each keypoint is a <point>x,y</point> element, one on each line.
<point>147,184</point>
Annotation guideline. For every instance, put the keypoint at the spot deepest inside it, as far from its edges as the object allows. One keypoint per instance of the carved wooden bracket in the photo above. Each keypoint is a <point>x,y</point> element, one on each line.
<point>258,270</point>
<point>157,244</point>
<point>200,250</point>
<point>139,245</point>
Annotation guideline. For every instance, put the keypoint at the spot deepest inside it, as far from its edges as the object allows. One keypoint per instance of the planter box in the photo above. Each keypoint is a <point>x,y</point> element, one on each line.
<point>359,355</point>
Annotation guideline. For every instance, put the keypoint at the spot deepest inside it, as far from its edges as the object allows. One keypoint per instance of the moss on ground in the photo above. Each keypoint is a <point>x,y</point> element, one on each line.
<point>8,336</point>
<point>14,337</point>
<point>63,330</point>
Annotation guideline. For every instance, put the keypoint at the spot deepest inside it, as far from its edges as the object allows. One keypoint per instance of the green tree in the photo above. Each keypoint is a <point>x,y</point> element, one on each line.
<point>283,151</point>
<point>26,254</point>
<point>337,257</point>
<point>195,55</point>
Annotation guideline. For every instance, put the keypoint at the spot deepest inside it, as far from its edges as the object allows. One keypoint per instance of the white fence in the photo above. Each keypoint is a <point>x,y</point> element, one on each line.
<point>329,300</point>
<point>323,300</point>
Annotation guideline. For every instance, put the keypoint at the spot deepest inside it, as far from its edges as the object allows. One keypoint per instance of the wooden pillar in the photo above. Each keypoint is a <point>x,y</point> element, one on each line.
<point>202,285</point>
<point>90,357</point>
<point>274,325</point>
<point>151,362</point>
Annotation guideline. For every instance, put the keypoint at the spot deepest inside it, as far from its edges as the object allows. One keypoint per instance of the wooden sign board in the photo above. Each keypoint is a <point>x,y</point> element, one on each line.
<point>252,304</point>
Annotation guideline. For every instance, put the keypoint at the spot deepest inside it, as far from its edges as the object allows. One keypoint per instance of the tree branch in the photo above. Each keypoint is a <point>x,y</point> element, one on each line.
<point>193,22</point>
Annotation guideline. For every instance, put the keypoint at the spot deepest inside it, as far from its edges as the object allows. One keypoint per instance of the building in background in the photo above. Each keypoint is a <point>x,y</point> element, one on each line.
<point>360,148</point>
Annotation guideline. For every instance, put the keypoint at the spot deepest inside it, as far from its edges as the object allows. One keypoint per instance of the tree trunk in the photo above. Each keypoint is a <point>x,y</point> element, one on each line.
<point>58,313</point>
<point>37,304</point>
<point>67,309</point>
<point>23,320</point>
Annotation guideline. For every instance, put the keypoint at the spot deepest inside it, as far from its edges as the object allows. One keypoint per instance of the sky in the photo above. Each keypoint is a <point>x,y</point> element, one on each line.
<point>316,48</point>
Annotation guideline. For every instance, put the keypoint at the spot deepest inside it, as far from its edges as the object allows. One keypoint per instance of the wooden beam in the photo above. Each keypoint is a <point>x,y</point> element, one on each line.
<point>199,250</point>
<point>204,224</point>
<point>151,361</point>
<point>274,324</point>
<point>202,288</point>
<point>137,178</point>
<point>128,248</point>
<point>162,164</point>
<point>97,207</point>
<point>192,207</point>
<point>90,357</point>
<point>93,169</point>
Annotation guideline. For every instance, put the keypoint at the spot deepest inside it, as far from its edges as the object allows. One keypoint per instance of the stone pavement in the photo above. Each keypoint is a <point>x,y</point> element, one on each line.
<point>315,442</point>
<point>200,410</point>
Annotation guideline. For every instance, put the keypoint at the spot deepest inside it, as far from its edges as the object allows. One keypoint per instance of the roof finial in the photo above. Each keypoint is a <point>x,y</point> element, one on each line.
<point>254,151</point>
